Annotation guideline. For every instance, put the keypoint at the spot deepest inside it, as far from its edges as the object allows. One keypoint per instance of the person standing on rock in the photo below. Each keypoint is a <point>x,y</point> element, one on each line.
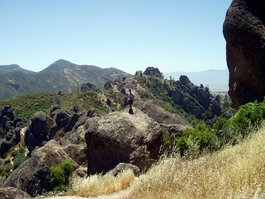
<point>130,99</point>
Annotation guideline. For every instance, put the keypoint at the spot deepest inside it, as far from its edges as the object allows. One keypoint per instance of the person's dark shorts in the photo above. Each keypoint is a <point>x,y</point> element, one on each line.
<point>130,102</point>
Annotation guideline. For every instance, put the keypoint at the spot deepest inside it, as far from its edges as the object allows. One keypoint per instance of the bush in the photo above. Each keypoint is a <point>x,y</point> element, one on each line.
<point>18,160</point>
<point>248,116</point>
<point>6,168</point>
<point>19,155</point>
<point>197,139</point>
<point>169,140</point>
<point>244,121</point>
<point>60,175</point>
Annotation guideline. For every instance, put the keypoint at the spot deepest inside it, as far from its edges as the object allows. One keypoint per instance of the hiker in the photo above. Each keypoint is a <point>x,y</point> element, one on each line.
<point>130,99</point>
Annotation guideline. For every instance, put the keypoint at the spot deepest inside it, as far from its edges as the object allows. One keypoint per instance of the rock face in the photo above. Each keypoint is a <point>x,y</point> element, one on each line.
<point>9,129</point>
<point>159,114</point>
<point>60,125</point>
<point>244,31</point>
<point>33,176</point>
<point>120,137</point>
<point>39,131</point>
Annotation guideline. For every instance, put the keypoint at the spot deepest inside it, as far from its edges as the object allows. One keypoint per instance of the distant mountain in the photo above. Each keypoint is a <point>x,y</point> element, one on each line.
<point>62,75</point>
<point>216,80</point>
<point>4,69</point>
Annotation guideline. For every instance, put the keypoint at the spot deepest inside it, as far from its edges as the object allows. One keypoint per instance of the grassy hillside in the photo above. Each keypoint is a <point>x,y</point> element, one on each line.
<point>234,172</point>
<point>28,104</point>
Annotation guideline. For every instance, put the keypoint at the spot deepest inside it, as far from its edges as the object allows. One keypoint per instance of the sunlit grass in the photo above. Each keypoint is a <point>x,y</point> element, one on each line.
<point>234,172</point>
<point>101,184</point>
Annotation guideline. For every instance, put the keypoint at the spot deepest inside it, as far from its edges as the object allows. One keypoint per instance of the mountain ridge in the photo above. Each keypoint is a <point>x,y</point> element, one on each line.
<point>62,75</point>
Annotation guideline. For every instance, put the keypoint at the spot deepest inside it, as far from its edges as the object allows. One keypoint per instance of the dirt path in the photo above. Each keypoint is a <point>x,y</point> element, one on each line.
<point>118,195</point>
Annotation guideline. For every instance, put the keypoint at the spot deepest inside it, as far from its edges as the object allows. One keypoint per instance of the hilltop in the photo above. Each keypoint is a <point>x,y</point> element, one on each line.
<point>62,75</point>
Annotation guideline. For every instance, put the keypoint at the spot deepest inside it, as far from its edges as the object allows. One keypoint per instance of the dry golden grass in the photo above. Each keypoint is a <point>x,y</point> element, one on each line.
<point>101,184</point>
<point>234,172</point>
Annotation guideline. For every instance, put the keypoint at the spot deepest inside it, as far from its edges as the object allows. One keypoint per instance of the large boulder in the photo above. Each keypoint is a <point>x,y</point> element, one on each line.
<point>13,193</point>
<point>120,137</point>
<point>61,117</point>
<point>33,176</point>
<point>39,131</point>
<point>151,71</point>
<point>244,31</point>
<point>9,129</point>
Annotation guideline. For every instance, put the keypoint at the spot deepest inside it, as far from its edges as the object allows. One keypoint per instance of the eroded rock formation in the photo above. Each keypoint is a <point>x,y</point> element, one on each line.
<point>33,175</point>
<point>244,31</point>
<point>123,138</point>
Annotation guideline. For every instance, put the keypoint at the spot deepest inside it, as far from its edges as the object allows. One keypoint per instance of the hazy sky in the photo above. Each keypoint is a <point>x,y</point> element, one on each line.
<point>173,35</point>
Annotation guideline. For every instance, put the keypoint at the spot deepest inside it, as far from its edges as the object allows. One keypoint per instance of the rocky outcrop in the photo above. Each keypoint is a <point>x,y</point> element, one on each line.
<point>77,133</point>
<point>61,117</point>
<point>9,129</point>
<point>159,114</point>
<point>122,138</point>
<point>88,87</point>
<point>193,99</point>
<point>39,131</point>
<point>244,31</point>
<point>13,193</point>
<point>60,125</point>
<point>33,176</point>
<point>151,71</point>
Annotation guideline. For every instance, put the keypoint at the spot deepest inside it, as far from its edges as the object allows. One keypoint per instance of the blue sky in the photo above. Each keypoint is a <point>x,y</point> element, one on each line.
<point>173,35</point>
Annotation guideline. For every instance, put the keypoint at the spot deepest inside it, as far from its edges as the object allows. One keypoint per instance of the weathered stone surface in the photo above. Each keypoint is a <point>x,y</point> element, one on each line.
<point>77,152</point>
<point>123,167</point>
<point>32,176</point>
<point>39,131</point>
<point>159,114</point>
<point>122,138</point>
<point>13,193</point>
<point>244,31</point>
<point>61,117</point>
<point>77,134</point>
<point>9,129</point>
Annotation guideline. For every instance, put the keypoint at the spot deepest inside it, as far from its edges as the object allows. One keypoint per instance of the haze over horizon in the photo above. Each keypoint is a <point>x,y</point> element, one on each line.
<point>128,35</point>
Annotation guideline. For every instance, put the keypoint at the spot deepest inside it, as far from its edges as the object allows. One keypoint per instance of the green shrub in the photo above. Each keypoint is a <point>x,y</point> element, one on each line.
<point>169,140</point>
<point>6,168</point>
<point>60,174</point>
<point>241,124</point>
<point>75,107</point>
<point>19,158</point>
<point>248,116</point>
<point>197,139</point>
